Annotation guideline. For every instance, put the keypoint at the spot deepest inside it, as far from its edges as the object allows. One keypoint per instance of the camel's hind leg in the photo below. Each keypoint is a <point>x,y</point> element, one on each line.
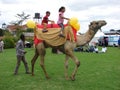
<point>66,67</point>
<point>42,52</point>
<point>33,61</point>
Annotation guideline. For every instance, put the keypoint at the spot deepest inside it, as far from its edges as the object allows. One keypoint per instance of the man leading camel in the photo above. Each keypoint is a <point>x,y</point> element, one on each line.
<point>20,53</point>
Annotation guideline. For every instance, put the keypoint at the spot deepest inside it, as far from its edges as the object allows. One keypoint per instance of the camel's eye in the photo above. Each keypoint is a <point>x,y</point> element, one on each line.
<point>97,23</point>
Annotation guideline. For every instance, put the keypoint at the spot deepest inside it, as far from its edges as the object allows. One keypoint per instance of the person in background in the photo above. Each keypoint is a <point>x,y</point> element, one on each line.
<point>96,49</point>
<point>91,48</point>
<point>45,21</point>
<point>119,42</point>
<point>61,18</point>
<point>104,49</point>
<point>20,53</point>
<point>1,45</point>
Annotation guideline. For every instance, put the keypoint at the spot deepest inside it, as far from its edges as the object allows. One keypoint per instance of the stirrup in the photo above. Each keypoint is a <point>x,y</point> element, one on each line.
<point>44,30</point>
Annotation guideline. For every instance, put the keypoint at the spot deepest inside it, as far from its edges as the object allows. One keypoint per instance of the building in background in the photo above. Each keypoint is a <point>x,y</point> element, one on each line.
<point>112,36</point>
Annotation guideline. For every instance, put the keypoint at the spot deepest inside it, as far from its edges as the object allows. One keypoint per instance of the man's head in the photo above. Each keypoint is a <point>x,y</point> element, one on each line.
<point>22,37</point>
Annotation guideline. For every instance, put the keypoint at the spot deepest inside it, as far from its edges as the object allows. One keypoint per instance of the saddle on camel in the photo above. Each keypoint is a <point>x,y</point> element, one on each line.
<point>52,36</point>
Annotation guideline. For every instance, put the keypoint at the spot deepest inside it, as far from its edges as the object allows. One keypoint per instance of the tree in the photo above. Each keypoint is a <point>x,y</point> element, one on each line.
<point>21,18</point>
<point>1,32</point>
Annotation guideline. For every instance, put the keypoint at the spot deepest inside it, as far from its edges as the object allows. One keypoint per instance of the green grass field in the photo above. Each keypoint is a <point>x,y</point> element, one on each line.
<point>97,72</point>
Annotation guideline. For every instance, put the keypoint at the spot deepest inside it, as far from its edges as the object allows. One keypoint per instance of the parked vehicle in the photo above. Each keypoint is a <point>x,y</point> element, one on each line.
<point>28,44</point>
<point>112,40</point>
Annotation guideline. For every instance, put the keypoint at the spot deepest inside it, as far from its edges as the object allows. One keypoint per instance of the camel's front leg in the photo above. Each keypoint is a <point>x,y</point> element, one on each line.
<point>42,53</point>
<point>33,61</point>
<point>77,62</point>
<point>66,67</point>
<point>43,66</point>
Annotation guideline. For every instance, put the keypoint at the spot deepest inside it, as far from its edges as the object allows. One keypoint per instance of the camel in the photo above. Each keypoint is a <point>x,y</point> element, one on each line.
<point>67,49</point>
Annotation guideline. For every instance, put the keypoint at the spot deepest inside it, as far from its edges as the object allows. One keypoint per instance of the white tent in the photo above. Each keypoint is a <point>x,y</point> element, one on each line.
<point>99,34</point>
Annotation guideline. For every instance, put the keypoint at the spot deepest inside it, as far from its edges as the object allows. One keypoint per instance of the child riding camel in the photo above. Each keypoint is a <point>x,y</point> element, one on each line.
<point>45,21</point>
<point>61,20</point>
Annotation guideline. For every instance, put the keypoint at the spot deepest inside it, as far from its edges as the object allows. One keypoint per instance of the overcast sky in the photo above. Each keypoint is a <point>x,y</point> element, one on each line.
<point>85,10</point>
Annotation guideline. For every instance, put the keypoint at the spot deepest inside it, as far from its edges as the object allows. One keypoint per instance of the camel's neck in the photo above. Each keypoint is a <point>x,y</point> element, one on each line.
<point>85,38</point>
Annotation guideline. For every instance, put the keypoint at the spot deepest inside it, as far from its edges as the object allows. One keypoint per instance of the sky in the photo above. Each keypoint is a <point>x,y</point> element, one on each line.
<point>85,10</point>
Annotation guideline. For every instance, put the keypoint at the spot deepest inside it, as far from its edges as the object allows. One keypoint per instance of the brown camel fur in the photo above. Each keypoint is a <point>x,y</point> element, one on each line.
<point>67,49</point>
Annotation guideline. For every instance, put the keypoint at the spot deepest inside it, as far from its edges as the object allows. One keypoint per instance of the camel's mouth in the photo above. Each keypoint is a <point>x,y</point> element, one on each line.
<point>101,24</point>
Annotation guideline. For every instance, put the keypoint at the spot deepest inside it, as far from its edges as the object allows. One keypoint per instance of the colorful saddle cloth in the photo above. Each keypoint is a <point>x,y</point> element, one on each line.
<point>52,36</point>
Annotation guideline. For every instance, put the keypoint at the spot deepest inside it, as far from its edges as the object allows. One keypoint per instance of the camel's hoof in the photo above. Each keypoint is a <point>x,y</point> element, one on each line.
<point>67,78</point>
<point>72,78</point>
<point>32,74</point>
<point>47,77</point>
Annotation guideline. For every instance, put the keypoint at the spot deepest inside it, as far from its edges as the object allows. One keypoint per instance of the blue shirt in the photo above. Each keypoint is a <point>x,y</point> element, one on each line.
<point>119,42</point>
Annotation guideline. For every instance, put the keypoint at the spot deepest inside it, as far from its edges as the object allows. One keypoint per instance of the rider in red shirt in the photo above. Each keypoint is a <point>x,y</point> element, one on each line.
<point>45,21</point>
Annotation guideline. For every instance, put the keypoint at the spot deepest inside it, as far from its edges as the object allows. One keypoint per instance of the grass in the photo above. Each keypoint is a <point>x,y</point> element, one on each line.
<point>97,72</point>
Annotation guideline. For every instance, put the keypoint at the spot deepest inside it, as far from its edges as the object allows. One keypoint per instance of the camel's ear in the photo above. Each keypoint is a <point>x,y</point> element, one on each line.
<point>91,23</point>
<point>94,22</point>
<point>90,26</point>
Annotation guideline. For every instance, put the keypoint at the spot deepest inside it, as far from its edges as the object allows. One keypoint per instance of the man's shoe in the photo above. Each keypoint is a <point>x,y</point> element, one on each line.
<point>15,73</point>
<point>28,72</point>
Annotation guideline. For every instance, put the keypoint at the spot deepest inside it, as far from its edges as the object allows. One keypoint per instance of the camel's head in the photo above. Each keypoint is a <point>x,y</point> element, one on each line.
<point>96,25</point>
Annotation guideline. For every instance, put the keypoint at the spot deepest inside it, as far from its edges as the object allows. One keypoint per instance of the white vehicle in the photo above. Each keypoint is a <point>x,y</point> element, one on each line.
<point>113,40</point>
